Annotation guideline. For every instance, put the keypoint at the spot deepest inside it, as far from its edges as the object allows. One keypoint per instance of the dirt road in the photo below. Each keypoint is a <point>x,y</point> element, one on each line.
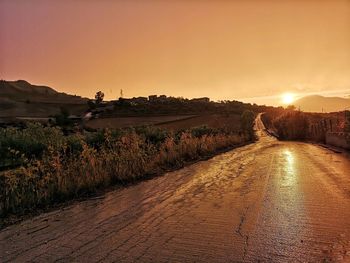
<point>270,201</point>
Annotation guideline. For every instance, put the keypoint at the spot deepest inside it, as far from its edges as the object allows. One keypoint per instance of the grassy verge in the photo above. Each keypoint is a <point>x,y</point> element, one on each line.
<point>301,126</point>
<point>53,167</point>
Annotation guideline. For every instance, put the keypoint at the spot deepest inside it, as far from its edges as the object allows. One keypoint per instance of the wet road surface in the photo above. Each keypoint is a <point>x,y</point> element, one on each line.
<point>270,202</point>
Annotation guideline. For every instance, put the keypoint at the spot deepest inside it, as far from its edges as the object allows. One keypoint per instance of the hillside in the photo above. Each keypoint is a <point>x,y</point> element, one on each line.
<point>22,90</point>
<point>20,98</point>
<point>316,103</point>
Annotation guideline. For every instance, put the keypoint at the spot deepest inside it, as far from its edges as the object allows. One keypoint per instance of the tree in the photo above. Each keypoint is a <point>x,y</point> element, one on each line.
<point>62,119</point>
<point>91,104</point>
<point>99,97</point>
<point>291,108</point>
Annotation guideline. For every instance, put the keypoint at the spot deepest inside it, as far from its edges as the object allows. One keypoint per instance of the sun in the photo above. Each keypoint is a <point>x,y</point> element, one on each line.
<point>288,98</point>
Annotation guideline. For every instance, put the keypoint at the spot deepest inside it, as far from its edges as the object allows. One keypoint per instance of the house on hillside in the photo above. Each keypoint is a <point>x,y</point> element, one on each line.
<point>203,100</point>
<point>139,100</point>
<point>155,98</point>
<point>162,98</point>
<point>152,98</point>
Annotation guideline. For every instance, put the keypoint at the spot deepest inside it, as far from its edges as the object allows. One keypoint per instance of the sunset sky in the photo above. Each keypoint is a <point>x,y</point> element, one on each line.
<point>221,49</point>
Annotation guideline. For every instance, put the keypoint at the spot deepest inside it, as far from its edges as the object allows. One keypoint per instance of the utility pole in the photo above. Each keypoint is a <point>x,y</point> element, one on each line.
<point>121,93</point>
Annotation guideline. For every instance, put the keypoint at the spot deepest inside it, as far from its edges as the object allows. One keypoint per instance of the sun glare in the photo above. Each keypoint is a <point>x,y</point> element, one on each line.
<point>288,98</point>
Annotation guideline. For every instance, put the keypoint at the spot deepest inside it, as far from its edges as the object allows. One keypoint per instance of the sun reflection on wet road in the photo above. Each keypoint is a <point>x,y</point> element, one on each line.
<point>289,168</point>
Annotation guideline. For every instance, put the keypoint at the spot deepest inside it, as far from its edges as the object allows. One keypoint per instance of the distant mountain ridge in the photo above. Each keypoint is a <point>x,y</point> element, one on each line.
<point>317,103</point>
<point>20,98</point>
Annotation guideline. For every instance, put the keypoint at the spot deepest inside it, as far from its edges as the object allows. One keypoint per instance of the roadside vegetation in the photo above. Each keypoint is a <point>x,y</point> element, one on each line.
<point>291,124</point>
<point>65,157</point>
<point>42,165</point>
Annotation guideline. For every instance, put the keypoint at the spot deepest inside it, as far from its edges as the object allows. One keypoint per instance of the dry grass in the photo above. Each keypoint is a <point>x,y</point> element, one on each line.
<point>295,125</point>
<point>61,174</point>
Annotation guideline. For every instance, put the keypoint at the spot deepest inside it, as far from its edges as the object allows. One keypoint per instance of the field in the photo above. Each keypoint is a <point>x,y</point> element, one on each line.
<point>219,121</point>
<point>228,122</point>
<point>122,122</point>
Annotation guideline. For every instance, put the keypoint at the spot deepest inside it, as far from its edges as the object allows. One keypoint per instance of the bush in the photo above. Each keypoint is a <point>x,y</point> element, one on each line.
<point>62,119</point>
<point>203,130</point>
<point>292,125</point>
<point>152,134</point>
<point>30,143</point>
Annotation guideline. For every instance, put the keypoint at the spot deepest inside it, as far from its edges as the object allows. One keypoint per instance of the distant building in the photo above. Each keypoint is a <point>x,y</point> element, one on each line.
<point>139,100</point>
<point>162,98</point>
<point>204,100</point>
<point>152,98</point>
<point>155,98</point>
<point>123,101</point>
<point>88,116</point>
<point>74,118</point>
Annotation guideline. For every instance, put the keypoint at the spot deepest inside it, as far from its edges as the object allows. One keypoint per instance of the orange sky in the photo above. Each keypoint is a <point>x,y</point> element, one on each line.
<point>220,49</point>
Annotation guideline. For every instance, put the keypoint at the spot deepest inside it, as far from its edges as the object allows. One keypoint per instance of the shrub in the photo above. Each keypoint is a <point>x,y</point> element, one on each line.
<point>62,119</point>
<point>30,142</point>
<point>203,130</point>
<point>152,134</point>
<point>292,125</point>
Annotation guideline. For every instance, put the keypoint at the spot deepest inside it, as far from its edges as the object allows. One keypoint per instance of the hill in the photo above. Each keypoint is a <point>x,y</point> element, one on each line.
<point>22,90</point>
<point>316,103</point>
<point>20,98</point>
